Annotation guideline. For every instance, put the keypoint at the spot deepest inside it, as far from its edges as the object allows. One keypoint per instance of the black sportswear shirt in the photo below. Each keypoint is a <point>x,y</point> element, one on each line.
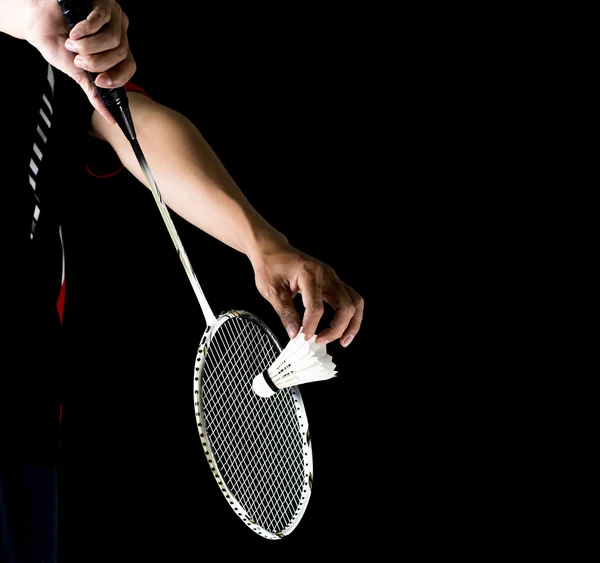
<point>45,120</point>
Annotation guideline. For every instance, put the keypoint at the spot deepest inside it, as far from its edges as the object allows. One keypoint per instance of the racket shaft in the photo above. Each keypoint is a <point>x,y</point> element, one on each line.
<point>206,310</point>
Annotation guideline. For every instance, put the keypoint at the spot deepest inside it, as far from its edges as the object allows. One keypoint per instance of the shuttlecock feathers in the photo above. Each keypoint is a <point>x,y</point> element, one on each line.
<point>301,361</point>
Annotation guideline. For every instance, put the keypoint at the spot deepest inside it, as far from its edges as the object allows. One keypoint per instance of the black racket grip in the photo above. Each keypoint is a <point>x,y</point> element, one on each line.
<point>114,99</point>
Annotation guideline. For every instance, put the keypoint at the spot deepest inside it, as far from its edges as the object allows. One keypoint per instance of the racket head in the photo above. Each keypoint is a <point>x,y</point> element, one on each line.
<point>258,449</point>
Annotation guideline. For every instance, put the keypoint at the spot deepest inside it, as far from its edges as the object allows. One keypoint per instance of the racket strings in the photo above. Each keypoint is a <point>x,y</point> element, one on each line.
<point>258,444</point>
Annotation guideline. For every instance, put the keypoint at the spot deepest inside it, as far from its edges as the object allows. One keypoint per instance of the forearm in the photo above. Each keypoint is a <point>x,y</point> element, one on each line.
<point>192,180</point>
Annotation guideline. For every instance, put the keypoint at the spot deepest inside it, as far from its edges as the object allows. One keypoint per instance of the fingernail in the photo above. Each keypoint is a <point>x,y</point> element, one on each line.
<point>321,341</point>
<point>78,62</point>
<point>347,340</point>
<point>76,35</point>
<point>292,330</point>
<point>70,45</point>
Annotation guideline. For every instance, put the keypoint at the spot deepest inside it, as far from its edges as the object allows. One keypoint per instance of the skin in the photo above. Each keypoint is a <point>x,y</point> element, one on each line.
<point>193,182</point>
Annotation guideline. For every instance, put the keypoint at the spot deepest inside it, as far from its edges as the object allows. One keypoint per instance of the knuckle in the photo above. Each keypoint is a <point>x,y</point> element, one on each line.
<point>351,310</point>
<point>287,315</point>
<point>104,11</point>
<point>334,335</point>
<point>316,307</point>
<point>101,18</point>
<point>274,295</point>
<point>269,292</point>
<point>113,41</point>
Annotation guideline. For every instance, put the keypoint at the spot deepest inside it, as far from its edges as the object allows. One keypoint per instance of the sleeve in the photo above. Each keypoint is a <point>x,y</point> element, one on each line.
<point>102,161</point>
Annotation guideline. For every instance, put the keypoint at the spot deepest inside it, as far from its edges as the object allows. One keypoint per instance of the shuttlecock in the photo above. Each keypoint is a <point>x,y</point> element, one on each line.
<point>301,361</point>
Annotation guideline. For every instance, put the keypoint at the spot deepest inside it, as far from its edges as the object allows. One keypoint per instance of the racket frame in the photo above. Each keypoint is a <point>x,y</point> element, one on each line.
<point>247,519</point>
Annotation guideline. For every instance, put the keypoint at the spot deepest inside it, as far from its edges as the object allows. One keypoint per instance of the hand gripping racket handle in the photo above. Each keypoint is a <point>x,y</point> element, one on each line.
<point>115,99</point>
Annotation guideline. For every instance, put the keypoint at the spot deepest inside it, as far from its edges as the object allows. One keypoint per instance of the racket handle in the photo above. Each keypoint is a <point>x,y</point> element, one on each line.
<point>114,99</point>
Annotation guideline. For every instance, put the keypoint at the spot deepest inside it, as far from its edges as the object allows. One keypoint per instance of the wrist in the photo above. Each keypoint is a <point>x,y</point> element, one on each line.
<point>265,242</point>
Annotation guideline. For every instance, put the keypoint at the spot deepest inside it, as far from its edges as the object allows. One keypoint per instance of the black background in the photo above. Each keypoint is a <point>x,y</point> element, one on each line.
<point>289,103</point>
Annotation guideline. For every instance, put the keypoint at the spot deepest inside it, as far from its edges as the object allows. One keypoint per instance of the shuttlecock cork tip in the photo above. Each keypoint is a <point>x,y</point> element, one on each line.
<point>263,386</point>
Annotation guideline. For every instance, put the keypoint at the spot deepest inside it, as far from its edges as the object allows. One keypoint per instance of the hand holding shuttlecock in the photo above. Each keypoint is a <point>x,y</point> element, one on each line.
<point>301,361</point>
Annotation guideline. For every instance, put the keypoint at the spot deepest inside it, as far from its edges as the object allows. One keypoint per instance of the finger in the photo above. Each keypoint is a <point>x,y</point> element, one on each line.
<point>312,299</point>
<point>356,321</point>
<point>109,38</point>
<point>99,16</point>
<point>99,106</point>
<point>283,304</point>
<point>84,81</point>
<point>341,301</point>
<point>117,66</point>
<point>118,75</point>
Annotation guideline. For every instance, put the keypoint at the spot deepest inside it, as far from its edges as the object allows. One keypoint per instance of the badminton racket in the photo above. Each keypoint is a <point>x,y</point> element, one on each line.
<point>258,448</point>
